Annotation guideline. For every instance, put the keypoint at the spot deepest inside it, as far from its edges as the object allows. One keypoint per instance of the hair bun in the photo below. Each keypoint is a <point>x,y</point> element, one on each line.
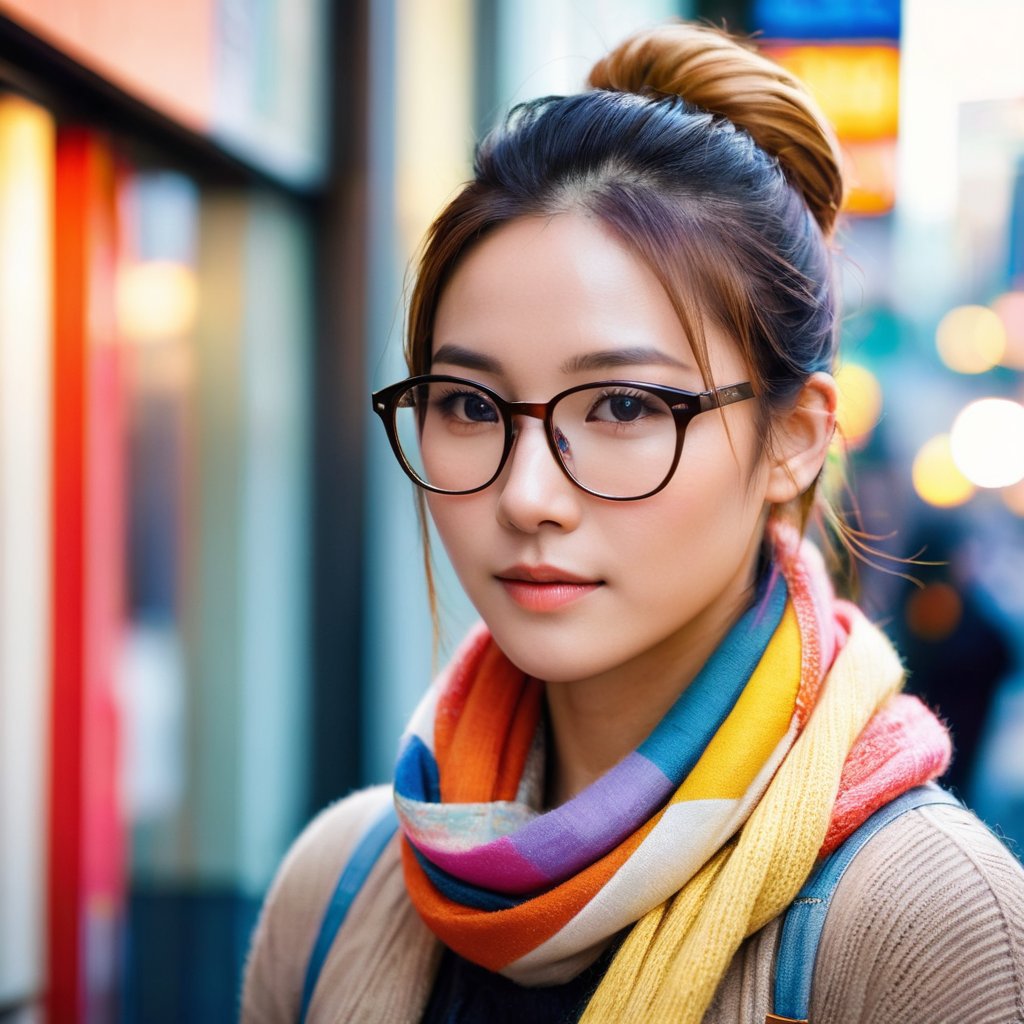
<point>718,73</point>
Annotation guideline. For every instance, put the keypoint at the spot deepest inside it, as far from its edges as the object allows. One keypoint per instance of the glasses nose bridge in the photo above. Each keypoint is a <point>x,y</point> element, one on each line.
<point>532,410</point>
<point>535,410</point>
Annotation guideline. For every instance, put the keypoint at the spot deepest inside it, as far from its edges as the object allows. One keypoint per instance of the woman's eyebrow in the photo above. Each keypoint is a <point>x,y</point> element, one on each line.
<point>456,355</point>
<point>605,359</point>
<point>611,358</point>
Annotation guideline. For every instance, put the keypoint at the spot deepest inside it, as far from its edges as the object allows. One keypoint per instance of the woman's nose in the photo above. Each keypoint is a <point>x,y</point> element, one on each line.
<point>533,489</point>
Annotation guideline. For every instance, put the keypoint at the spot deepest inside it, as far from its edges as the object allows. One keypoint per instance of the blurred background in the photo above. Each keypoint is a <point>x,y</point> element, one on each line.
<point>213,619</point>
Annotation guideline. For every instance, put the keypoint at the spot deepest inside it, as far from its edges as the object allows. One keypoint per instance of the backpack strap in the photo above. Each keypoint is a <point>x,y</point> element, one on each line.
<point>359,866</point>
<point>805,918</point>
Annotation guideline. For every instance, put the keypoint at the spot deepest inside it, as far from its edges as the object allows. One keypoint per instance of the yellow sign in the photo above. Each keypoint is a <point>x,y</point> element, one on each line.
<point>857,88</point>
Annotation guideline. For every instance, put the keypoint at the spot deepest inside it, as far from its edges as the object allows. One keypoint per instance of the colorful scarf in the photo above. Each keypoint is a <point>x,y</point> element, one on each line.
<point>698,838</point>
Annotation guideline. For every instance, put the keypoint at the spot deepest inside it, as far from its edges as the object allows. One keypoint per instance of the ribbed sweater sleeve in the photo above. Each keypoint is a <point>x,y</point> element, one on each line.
<point>926,927</point>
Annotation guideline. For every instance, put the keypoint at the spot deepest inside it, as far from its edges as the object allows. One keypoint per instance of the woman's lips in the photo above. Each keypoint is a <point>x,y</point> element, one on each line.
<point>543,588</point>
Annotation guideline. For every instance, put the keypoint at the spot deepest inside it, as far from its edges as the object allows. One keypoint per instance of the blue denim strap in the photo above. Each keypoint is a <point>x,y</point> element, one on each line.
<point>359,865</point>
<point>805,919</point>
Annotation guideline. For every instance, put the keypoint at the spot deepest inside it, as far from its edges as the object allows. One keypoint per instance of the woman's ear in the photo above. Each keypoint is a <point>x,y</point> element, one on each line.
<point>800,439</point>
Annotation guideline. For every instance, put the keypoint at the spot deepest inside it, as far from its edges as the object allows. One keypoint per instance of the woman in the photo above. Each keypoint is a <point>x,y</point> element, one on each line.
<point>611,797</point>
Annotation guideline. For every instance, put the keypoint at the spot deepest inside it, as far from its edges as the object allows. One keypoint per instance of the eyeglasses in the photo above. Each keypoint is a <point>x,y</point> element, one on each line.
<point>615,439</point>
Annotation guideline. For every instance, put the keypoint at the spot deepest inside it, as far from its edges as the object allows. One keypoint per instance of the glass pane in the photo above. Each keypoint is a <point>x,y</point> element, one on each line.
<point>452,434</point>
<point>617,441</point>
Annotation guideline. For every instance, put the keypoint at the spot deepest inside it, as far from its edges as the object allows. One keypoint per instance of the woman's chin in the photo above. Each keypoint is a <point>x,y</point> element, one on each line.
<point>556,657</point>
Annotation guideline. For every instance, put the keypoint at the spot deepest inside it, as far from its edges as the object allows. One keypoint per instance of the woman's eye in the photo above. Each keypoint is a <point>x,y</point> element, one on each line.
<point>619,408</point>
<point>479,410</point>
<point>469,407</point>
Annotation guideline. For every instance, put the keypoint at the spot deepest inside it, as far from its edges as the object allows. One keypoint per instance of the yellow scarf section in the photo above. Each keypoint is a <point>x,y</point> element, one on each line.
<point>676,955</point>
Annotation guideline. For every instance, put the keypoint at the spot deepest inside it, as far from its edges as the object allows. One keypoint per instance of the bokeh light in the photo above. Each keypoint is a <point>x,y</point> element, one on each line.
<point>987,442</point>
<point>157,299</point>
<point>971,339</point>
<point>860,403</point>
<point>934,612</point>
<point>1009,307</point>
<point>1013,498</point>
<point>936,477</point>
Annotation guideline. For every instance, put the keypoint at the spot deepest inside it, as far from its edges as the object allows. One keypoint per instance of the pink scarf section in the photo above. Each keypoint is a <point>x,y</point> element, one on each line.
<point>904,744</point>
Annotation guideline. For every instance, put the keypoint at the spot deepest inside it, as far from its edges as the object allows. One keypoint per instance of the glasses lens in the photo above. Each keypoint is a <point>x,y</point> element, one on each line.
<point>451,434</point>
<point>614,440</point>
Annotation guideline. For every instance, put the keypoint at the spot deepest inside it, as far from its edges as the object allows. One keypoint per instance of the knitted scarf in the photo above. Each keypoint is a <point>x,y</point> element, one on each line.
<point>789,737</point>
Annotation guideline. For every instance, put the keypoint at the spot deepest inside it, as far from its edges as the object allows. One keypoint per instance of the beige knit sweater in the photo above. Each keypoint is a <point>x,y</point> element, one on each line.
<point>926,927</point>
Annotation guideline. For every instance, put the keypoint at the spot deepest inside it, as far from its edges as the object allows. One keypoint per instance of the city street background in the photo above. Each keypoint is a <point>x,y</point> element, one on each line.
<point>213,612</point>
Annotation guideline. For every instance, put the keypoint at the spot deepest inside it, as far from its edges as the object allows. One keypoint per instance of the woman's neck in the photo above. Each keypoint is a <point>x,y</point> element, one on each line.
<point>594,723</point>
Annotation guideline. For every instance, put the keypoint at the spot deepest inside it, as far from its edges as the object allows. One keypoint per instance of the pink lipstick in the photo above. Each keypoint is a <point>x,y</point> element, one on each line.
<point>544,588</point>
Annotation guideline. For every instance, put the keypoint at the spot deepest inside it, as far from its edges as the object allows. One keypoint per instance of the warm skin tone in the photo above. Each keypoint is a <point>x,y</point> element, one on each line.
<point>672,571</point>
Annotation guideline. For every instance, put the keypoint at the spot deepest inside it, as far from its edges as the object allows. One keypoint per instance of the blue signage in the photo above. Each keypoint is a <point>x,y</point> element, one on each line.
<point>827,19</point>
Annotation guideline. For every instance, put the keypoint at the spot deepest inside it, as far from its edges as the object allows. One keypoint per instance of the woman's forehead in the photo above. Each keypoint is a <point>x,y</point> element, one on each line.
<point>567,263</point>
<point>562,293</point>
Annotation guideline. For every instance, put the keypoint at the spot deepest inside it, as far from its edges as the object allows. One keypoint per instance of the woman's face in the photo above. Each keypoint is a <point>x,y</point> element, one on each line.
<point>572,586</point>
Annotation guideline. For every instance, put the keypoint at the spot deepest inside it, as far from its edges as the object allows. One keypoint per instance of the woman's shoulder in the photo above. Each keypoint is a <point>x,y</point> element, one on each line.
<point>324,846</point>
<point>927,924</point>
<point>294,906</point>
